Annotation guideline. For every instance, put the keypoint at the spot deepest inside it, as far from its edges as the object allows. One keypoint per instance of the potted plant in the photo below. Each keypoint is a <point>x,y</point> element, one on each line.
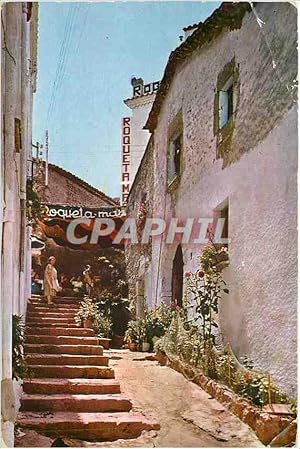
<point>145,346</point>
<point>157,322</point>
<point>87,313</point>
<point>102,325</point>
<point>134,334</point>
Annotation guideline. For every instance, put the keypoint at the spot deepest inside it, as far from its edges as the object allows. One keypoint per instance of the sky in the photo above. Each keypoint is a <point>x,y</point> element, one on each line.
<point>87,54</point>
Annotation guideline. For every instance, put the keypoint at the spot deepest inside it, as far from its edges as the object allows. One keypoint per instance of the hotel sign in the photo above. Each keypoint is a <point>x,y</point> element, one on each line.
<point>125,162</point>
<point>139,90</point>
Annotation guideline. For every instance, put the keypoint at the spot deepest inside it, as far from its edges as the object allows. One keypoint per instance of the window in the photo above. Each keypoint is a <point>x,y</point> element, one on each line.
<point>177,277</point>
<point>225,214</point>
<point>175,151</point>
<point>29,10</point>
<point>222,211</point>
<point>18,135</point>
<point>226,100</point>
<point>225,103</point>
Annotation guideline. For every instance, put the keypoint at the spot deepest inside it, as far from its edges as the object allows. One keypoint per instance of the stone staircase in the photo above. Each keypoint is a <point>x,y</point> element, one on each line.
<point>71,391</point>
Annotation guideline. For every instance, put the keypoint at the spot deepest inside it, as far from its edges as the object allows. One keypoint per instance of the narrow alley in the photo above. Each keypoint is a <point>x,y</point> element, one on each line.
<point>75,382</point>
<point>148,224</point>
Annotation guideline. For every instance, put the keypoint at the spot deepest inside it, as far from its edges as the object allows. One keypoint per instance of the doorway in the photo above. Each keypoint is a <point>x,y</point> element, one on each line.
<point>177,277</point>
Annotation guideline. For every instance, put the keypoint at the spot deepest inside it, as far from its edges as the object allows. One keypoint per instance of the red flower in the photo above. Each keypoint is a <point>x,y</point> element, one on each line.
<point>187,274</point>
<point>201,274</point>
<point>174,305</point>
<point>246,376</point>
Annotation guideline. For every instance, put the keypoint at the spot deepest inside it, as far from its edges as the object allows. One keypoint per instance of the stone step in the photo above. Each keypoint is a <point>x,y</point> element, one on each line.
<point>61,340</point>
<point>64,300</point>
<point>71,386</point>
<point>72,331</point>
<point>69,298</point>
<point>92,403</point>
<point>46,311</point>
<point>56,303</point>
<point>53,325</point>
<point>88,426</point>
<point>59,298</point>
<point>71,371</point>
<point>67,359</point>
<point>51,307</point>
<point>48,314</point>
<point>63,349</point>
<point>43,320</point>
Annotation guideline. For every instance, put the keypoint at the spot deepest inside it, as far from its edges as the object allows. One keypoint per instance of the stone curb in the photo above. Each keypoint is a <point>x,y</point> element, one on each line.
<point>265,425</point>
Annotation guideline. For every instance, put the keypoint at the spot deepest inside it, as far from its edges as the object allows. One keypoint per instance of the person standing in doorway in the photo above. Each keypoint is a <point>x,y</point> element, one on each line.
<point>51,285</point>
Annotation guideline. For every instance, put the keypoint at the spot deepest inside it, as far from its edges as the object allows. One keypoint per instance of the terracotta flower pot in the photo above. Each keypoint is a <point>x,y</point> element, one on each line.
<point>105,342</point>
<point>87,324</point>
<point>117,341</point>
<point>132,346</point>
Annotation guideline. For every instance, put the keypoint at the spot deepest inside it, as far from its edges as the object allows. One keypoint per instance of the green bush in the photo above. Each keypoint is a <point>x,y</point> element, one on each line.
<point>155,324</point>
<point>187,345</point>
<point>135,332</point>
<point>88,310</point>
<point>102,326</point>
<point>19,367</point>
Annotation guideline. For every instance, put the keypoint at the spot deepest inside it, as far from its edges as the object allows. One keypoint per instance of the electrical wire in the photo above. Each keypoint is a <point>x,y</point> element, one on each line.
<point>58,64</point>
<point>62,59</point>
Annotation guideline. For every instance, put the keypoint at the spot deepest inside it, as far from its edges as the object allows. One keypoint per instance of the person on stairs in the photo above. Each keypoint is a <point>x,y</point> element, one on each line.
<point>51,285</point>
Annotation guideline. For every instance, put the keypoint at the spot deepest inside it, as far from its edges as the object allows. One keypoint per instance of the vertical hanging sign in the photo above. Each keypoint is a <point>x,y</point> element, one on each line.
<point>125,162</point>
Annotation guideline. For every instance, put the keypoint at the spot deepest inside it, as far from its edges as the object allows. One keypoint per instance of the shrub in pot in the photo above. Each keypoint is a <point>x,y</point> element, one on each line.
<point>87,313</point>
<point>102,325</point>
<point>157,322</point>
<point>135,334</point>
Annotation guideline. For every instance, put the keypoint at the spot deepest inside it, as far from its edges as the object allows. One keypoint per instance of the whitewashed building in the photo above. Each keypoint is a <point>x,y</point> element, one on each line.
<point>224,143</point>
<point>134,137</point>
<point>18,83</point>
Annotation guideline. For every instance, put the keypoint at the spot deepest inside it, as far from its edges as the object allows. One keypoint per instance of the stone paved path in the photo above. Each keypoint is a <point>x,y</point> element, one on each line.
<point>187,415</point>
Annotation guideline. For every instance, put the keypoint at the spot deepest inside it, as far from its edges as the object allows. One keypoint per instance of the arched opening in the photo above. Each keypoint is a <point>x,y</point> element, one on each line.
<point>177,277</point>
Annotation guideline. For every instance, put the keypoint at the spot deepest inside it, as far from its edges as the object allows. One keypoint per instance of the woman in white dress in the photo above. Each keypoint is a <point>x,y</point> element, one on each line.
<point>51,285</point>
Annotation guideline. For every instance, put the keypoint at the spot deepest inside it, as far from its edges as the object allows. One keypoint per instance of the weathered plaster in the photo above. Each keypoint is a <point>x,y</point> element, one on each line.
<point>259,316</point>
<point>17,85</point>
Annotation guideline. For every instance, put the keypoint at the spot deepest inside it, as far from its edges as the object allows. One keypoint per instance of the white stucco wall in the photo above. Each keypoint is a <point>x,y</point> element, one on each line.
<point>139,137</point>
<point>258,318</point>
<point>140,107</point>
<point>16,93</point>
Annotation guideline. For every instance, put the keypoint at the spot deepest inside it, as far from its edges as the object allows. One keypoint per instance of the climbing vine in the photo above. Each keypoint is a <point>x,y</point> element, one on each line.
<point>34,207</point>
<point>19,367</point>
<point>204,290</point>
